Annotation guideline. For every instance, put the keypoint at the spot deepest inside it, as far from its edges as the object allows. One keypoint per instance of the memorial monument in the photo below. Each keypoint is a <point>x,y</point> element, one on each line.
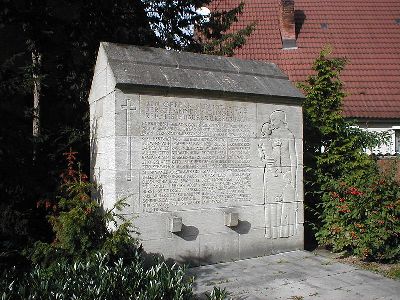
<point>206,150</point>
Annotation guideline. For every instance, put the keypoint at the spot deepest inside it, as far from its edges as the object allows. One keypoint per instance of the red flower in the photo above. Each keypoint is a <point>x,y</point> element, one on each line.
<point>71,155</point>
<point>334,195</point>
<point>354,191</point>
<point>344,208</point>
<point>84,177</point>
<point>47,204</point>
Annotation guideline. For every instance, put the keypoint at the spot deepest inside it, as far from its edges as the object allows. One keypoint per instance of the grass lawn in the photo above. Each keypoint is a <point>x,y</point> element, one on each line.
<point>388,270</point>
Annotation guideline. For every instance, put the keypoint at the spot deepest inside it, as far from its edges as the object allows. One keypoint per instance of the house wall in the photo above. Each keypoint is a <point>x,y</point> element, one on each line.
<point>393,146</point>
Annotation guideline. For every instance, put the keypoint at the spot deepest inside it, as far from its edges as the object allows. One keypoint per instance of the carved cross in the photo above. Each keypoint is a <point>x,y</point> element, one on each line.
<point>129,174</point>
<point>128,109</point>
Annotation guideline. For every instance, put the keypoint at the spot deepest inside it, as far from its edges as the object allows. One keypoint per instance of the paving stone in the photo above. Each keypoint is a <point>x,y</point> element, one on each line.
<point>281,276</point>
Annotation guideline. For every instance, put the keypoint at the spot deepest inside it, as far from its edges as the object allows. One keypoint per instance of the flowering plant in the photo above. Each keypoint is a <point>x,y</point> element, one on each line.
<point>80,224</point>
<point>362,216</point>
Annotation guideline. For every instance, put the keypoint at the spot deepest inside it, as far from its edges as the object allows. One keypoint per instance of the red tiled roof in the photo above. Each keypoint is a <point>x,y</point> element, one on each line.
<point>365,32</point>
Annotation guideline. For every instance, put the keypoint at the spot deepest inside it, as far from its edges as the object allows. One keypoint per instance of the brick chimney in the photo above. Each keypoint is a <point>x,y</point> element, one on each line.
<point>287,24</point>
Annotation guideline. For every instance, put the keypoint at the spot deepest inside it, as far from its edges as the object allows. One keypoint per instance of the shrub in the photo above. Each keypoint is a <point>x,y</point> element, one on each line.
<point>217,294</point>
<point>333,145</point>
<point>362,217</point>
<point>349,206</point>
<point>98,278</point>
<point>80,224</point>
<point>87,260</point>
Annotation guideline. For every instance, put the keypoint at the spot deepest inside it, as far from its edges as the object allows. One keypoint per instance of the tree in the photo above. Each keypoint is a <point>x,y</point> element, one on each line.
<point>48,52</point>
<point>333,146</point>
<point>194,32</point>
<point>49,49</point>
<point>215,36</point>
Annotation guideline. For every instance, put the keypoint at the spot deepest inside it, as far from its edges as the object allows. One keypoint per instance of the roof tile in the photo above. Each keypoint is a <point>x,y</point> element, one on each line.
<point>365,32</point>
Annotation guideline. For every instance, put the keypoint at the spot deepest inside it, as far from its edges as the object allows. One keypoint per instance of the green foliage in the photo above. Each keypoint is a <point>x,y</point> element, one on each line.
<point>66,34</point>
<point>215,36</point>
<point>217,294</point>
<point>349,205</point>
<point>88,260</point>
<point>333,146</point>
<point>362,217</point>
<point>98,277</point>
<point>394,273</point>
<point>178,25</point>
<point>80,224</point>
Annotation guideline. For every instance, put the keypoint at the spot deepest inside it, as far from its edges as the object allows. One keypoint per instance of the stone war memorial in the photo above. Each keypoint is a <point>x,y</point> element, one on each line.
<point>206,150</point>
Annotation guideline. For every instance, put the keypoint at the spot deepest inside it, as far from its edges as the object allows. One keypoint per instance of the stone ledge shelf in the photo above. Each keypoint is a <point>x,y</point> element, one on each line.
<point>175,224</point>
<point>231,219</point>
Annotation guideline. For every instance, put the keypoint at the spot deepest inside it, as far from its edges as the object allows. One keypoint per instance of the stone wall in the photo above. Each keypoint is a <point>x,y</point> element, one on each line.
<point>208,177</point>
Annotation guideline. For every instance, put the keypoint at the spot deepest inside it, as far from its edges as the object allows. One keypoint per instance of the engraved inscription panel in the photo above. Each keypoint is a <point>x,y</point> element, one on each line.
<point>194,152</point>
<point>155,153</point>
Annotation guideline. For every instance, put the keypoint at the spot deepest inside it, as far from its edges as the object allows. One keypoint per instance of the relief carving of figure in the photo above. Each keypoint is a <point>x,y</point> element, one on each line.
<point>277,151</point>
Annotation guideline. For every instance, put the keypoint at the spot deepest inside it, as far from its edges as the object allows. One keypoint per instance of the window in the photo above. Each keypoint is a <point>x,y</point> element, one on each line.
<point>397,140</point>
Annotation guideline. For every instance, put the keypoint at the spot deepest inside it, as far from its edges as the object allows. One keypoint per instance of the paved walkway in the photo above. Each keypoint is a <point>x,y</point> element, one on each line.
<point>294,275</point>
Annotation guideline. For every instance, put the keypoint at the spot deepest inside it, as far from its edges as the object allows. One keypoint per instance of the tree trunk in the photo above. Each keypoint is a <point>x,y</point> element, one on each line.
<point>36,66</point>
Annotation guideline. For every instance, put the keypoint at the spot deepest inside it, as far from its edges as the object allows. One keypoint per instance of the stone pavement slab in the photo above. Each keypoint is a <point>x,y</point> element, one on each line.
<point>293,275</point>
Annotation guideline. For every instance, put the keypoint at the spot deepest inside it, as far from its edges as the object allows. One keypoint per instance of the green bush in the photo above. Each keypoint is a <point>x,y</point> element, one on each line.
<point>217,294</point>
<point>80,225</point>
<point>362,217</point>
<point>88,260</point>
<point>334,153</point>
<point>98,277</point>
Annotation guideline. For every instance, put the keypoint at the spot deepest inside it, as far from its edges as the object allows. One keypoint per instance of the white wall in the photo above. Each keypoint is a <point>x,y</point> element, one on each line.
<point>390,128</point>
